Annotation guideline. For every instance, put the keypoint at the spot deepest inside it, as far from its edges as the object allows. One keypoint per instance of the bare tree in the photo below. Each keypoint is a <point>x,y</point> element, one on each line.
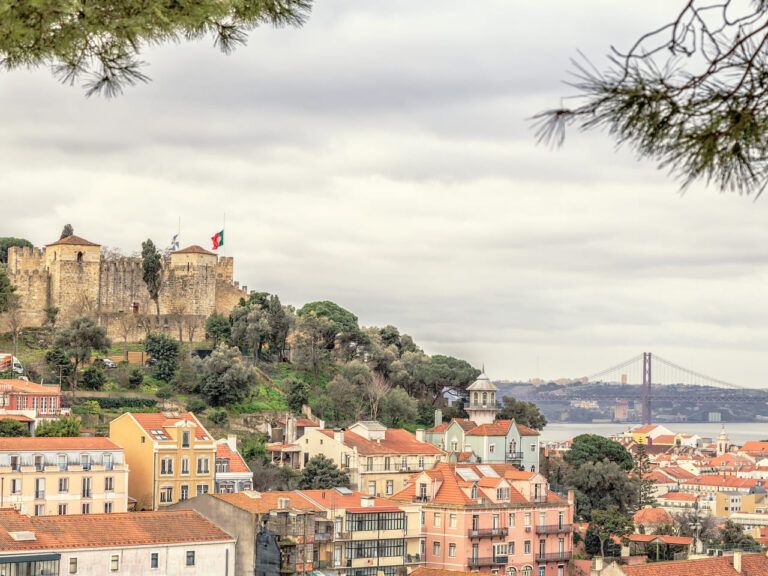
<point>177,316</point>
<point>144,321</point>
<point>126,324</point>
<point>15,321</point>
<point>191,323</point>
<point>376,390</point>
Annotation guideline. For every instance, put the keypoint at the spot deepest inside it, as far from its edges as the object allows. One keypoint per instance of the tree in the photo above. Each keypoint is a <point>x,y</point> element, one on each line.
<point>15,321</point>
<point>225,379</point>
<point>217,328</point>
<point>100,44</point>
<point>8,241</point>
<point>135,378</point>
<point>268,477</point>
<point>93,378</point>
<point>64,426</point>
<point>525,413</point>
<point>375,392</point>
<point>298,393</point>
<point>732,537</point>
<point>152,267</point>
<point>12,428</point>
<point>67,231</point>
<point>450,372</point>
<point>600,485</point>
<point>164,350</point>
<point>690,95</point>
<point>322,473</point>
<point>595,448</point>
<point>279,326</point>
<point>398,408</point>
<point>342,326</point>
<point>685,525</point>
<point>7,290</point>
<point>177,317</point>
<point>646,486</point>
<point>610,522</point>
<point>79,340</point>
<point>126,324</point>
<point>250,327</point>
<point>312,352</point>
<point>218,416</point>
<point>51,315</point>
<point>59,364</point>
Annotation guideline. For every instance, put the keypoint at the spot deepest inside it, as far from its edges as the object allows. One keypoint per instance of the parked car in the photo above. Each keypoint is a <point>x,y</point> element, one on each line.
<point>106,363</point>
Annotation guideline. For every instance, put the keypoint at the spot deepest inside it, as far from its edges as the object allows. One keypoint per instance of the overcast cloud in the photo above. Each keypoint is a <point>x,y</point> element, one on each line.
<point>380,157</point>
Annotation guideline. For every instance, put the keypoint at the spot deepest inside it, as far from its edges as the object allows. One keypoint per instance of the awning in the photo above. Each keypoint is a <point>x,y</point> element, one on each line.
<point>29,558</point>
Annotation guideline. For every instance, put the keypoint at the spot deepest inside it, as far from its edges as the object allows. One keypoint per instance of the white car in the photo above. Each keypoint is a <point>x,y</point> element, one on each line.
<point>106,362</point>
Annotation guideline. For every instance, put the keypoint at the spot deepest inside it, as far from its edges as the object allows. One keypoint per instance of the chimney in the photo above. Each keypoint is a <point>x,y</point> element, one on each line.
<point>571,497</point>
<point>438,417</point>
<point>367,502</point>
<point>420,434</point>
<point>290,430</point>
<point>307,411</point>
<point>232,442</point>
<point>338,435</point>
<point>737,560</point>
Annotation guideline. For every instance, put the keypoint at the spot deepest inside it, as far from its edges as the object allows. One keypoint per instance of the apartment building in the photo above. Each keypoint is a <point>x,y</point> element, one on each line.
<point>491,518</point>
<point>232,473</point>
<point>172,457</point>
<point>63,476</point>
<point>379,460</point>
<point>171,543</point>
<point>29,403</point>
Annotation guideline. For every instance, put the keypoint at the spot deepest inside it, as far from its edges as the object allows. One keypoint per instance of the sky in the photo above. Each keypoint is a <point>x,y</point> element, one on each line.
<point>382,157</point>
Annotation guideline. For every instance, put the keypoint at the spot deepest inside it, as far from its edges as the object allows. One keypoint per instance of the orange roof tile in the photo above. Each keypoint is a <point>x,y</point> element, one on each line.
<point>752,565</point>
<point>396,441</point>
<point>422,571</point>
<point>72,241</point>
<point>301,423</point>
<point>107,530</point>
<point>652,516</point>
<point>24,444</point>
<point>442,427</point>
<point>332,498</point>
<point>23,386</point>
<point>755,446</point>
<point>157,420</point>
<point>496,428</point>
<point>263,502</point>
<point>664,538</point>
<point>664,439</point>
<point>194,249</point>
<point>525,431</point>
<point>678,473</point>
<point>17,417</point>
<point>236,462</point>
<point>680,496</point>
<point>723,481</point>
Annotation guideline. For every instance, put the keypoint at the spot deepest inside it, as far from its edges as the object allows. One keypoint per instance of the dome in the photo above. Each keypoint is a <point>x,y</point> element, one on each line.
<point>483,383</point>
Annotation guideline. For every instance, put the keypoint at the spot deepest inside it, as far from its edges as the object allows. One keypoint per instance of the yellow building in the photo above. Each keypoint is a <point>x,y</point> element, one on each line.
<point>727,503</point>
<point>378,460</point>
<point>63,476</point>
<point>172,457</point>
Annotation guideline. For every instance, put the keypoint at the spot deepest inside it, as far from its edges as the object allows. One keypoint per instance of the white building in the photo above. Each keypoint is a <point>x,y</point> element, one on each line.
<point>167,543</point>
<point>232,473</point>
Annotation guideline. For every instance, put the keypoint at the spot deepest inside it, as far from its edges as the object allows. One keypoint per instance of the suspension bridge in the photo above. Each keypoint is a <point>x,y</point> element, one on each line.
<point>651,370</point>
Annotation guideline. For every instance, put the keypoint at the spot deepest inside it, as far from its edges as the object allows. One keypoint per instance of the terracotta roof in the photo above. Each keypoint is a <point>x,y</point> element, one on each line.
<point>663,538</point>
<point>752,565</point>
<point>17,417</point>
<point>755,446</point>
<point>525,431</point>
<point>464,456</point>
<point>495,428</point>
<point>678,473</point>
<point>72,241</point>
<point>465,423</point>
<point>263,502</point>
<point>107,530</point>
<point>282,447</point>
<point>301,423</point>
<point>332,498</point>
<point>652,516</point>
<point>155,420</point>
<point>680,496</point>
<point>396,441</point>
<point>236,462</point>
<point>442,427</point>
<point>194,249</point>
<point>422,571</point>
<point>668,439</point>
<point>29,387</point>
<point>723,481</point>
<point>24,444</point>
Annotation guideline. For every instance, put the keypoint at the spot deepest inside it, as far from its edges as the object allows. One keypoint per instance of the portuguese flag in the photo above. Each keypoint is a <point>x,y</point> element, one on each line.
<point>218,239</point>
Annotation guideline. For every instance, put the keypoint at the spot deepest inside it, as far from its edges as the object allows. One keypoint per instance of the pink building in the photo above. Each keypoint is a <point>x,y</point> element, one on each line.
<point>491,518</point>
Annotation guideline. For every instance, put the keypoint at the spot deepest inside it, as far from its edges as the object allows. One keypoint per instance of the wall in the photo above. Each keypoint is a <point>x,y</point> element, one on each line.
<point>126,433</point>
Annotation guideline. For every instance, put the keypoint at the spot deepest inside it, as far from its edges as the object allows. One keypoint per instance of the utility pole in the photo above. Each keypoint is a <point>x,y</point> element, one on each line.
<point>647,388</point>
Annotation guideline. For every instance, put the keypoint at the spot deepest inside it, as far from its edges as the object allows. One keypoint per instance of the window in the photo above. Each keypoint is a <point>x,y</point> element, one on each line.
<point>527,547</point>
<point>86,487</point>
<point>495,520</point>
<point>542,571</point>
<point>390,487</point>
<point>114,563</point>
<point>533,447</point>
<point>190,558</point>
<point>561,545</point>
<point>454,446</point>
<point>387,463</point>
<point>511,548</point>
<point>499,550</point>
<point>166,495</point>
<point>39,463</point>
<point>166,466</point>
<point>560,519</point>
<point>15,463</point>
<point>452,550</point>
<point>511,571</point>
<point>222,465</point>
<point>492,448</point>
<point>502,493</point>
<point>372,488</point>
<point>107,507</point>
<point>527,518</point>
<point>202,465</point>
<point>542,518</point>
<point>185,438</point>
<point>527,571</point>
<point>109,484</point>
<point>86,507</point>
<point>79,256</point>
<point>154,560</point>
<point>437,519</point>
<point>421,462</point>
<point>404,463</point>
<point>73,565</point>
<point>15,485</point>
<point>369,464</point>
<point>511,519</point>
<point>62,509</point>
<point>473,491</point>
<point>85,461</point>
<point>202,489</point>
<point>143,439</point>
<point>436,548</point>
<point>422,491</point>
<point>561,571</point>
<point>108,461</point>
<point>63,465</point>
<point>40,510</point>
<point>39,488</point>
<point>542,547</point>
<point>185,465</point>
<point>452,521</point>
<point>184,492</point>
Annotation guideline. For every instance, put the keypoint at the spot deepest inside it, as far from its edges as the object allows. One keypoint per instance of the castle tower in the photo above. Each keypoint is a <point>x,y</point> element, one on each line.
<point>482,408</point>
<point>73,266</point>
<point>723,442</point>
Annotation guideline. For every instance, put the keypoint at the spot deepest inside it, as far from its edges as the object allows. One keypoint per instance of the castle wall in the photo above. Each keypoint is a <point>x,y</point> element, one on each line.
<point>27,273</point>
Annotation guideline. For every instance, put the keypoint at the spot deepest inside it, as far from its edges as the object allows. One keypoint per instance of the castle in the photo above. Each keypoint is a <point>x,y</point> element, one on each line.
<point>72,275</point>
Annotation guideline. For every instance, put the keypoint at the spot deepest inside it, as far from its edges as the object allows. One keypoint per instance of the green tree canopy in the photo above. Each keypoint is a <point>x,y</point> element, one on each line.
<point>322,473</point>
<point>152,271</point>
<point>79,340</point>
<point>646,486</point>
<point>67,231</point>
<point>610,522</point>
<point>225,379</point>
<point>217,328</point>
<point>600,485</point>
<point>8,241</point>
<point>732,537</point>
<point>525,413</point>
<point>12,428</point>
<point>164,350</point>
<point>7,291</point>
<point>59,364</point>
<point>93,378</point>
<point>64,426</point>
<point>342,324</point>
<point>398,408</point>
<point>594,448</point>
<point>298,393</point>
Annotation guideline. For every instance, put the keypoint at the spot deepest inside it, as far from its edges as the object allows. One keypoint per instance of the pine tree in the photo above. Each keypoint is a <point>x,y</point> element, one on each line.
<point>646,486</point>
<point>322,473</point>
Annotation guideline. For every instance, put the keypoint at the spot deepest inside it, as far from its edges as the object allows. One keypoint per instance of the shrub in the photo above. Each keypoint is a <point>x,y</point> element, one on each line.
<point>196,405</point>
<point>135,378</point>
<point>93,378</point>
<point>218,416</point>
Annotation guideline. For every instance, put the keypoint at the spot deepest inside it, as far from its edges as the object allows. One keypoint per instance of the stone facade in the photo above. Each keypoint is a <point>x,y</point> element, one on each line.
<point>72,275</point>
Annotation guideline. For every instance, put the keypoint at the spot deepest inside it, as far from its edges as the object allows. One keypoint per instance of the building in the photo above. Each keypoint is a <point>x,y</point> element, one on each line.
<point>171,457</point>
<point>131,544</point>
<point>289,515</point>
<point>73,275</point>
<point>737,564</point>
<point>647,520</point>
<point>29,403</point>
<point>286,436</point>
<point>63,476</point>
<point>491,518</point>
<point>482,407</point>
<point>232,473</point>
<point>379,460</point>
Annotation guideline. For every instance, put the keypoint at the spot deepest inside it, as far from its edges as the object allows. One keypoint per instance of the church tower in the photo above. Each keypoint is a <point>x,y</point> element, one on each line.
<point>482,407</point>
<point>723,442</point>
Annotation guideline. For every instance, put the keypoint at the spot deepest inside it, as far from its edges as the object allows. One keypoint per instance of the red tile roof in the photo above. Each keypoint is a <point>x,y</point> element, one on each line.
<point>643,429</point>
<point>422,571</point>
<point>668,439</point>
<point>156,420</point>
<point>236,462</point>
<point>525,431</point>
<point>72,241</point>
<point>332,498</point>
<point>680,496</point>
<point>752,565</point>
<point>442,427</point>
<point>652,516</point>
<point>194,249</point>
<point>263,502</point>
<point>678,473</point>
<point>396,441</point>
<point>758,446</point>
<point>17,417</point>
<point>23,386</point>
<point>301,423</point>
<point>663,538</point>
<point>495,428</point>
<point>24,444</point>
<point>107,530</point>
<point>723,481</point>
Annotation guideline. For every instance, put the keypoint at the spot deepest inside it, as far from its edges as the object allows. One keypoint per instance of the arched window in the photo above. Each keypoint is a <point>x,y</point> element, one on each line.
<point>473,493</point>
<point>485,397</point>
<point>79,256</point>
<point>511,571</point>
<point>533,468</point>
<point>527,571</point>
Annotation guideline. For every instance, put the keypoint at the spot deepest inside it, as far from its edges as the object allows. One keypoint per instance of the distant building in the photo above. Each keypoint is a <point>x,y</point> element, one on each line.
<point>232,473</point>
<point>735,565</point>
<point>29,403</point>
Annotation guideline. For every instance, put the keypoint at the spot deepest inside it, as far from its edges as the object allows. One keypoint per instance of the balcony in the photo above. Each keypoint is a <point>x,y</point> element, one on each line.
<point>421,498</point>
<point>554,557</point>
<point>323,536</point>
<point>481,561</point>
<point>488,533</point>
<point>39,494</point>
<point>512,456</point>
<point>554,529</point>
<point>413,559</point>
<point>484,406</point>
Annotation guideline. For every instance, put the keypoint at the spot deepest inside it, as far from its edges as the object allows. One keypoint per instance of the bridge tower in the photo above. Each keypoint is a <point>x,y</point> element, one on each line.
<point>646,388</point>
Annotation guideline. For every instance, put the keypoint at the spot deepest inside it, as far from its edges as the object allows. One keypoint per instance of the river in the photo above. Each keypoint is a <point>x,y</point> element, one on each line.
<point>738,432</point>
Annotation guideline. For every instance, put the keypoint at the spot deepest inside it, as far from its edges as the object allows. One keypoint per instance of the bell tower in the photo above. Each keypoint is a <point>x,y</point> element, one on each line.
<point>482,407</point>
